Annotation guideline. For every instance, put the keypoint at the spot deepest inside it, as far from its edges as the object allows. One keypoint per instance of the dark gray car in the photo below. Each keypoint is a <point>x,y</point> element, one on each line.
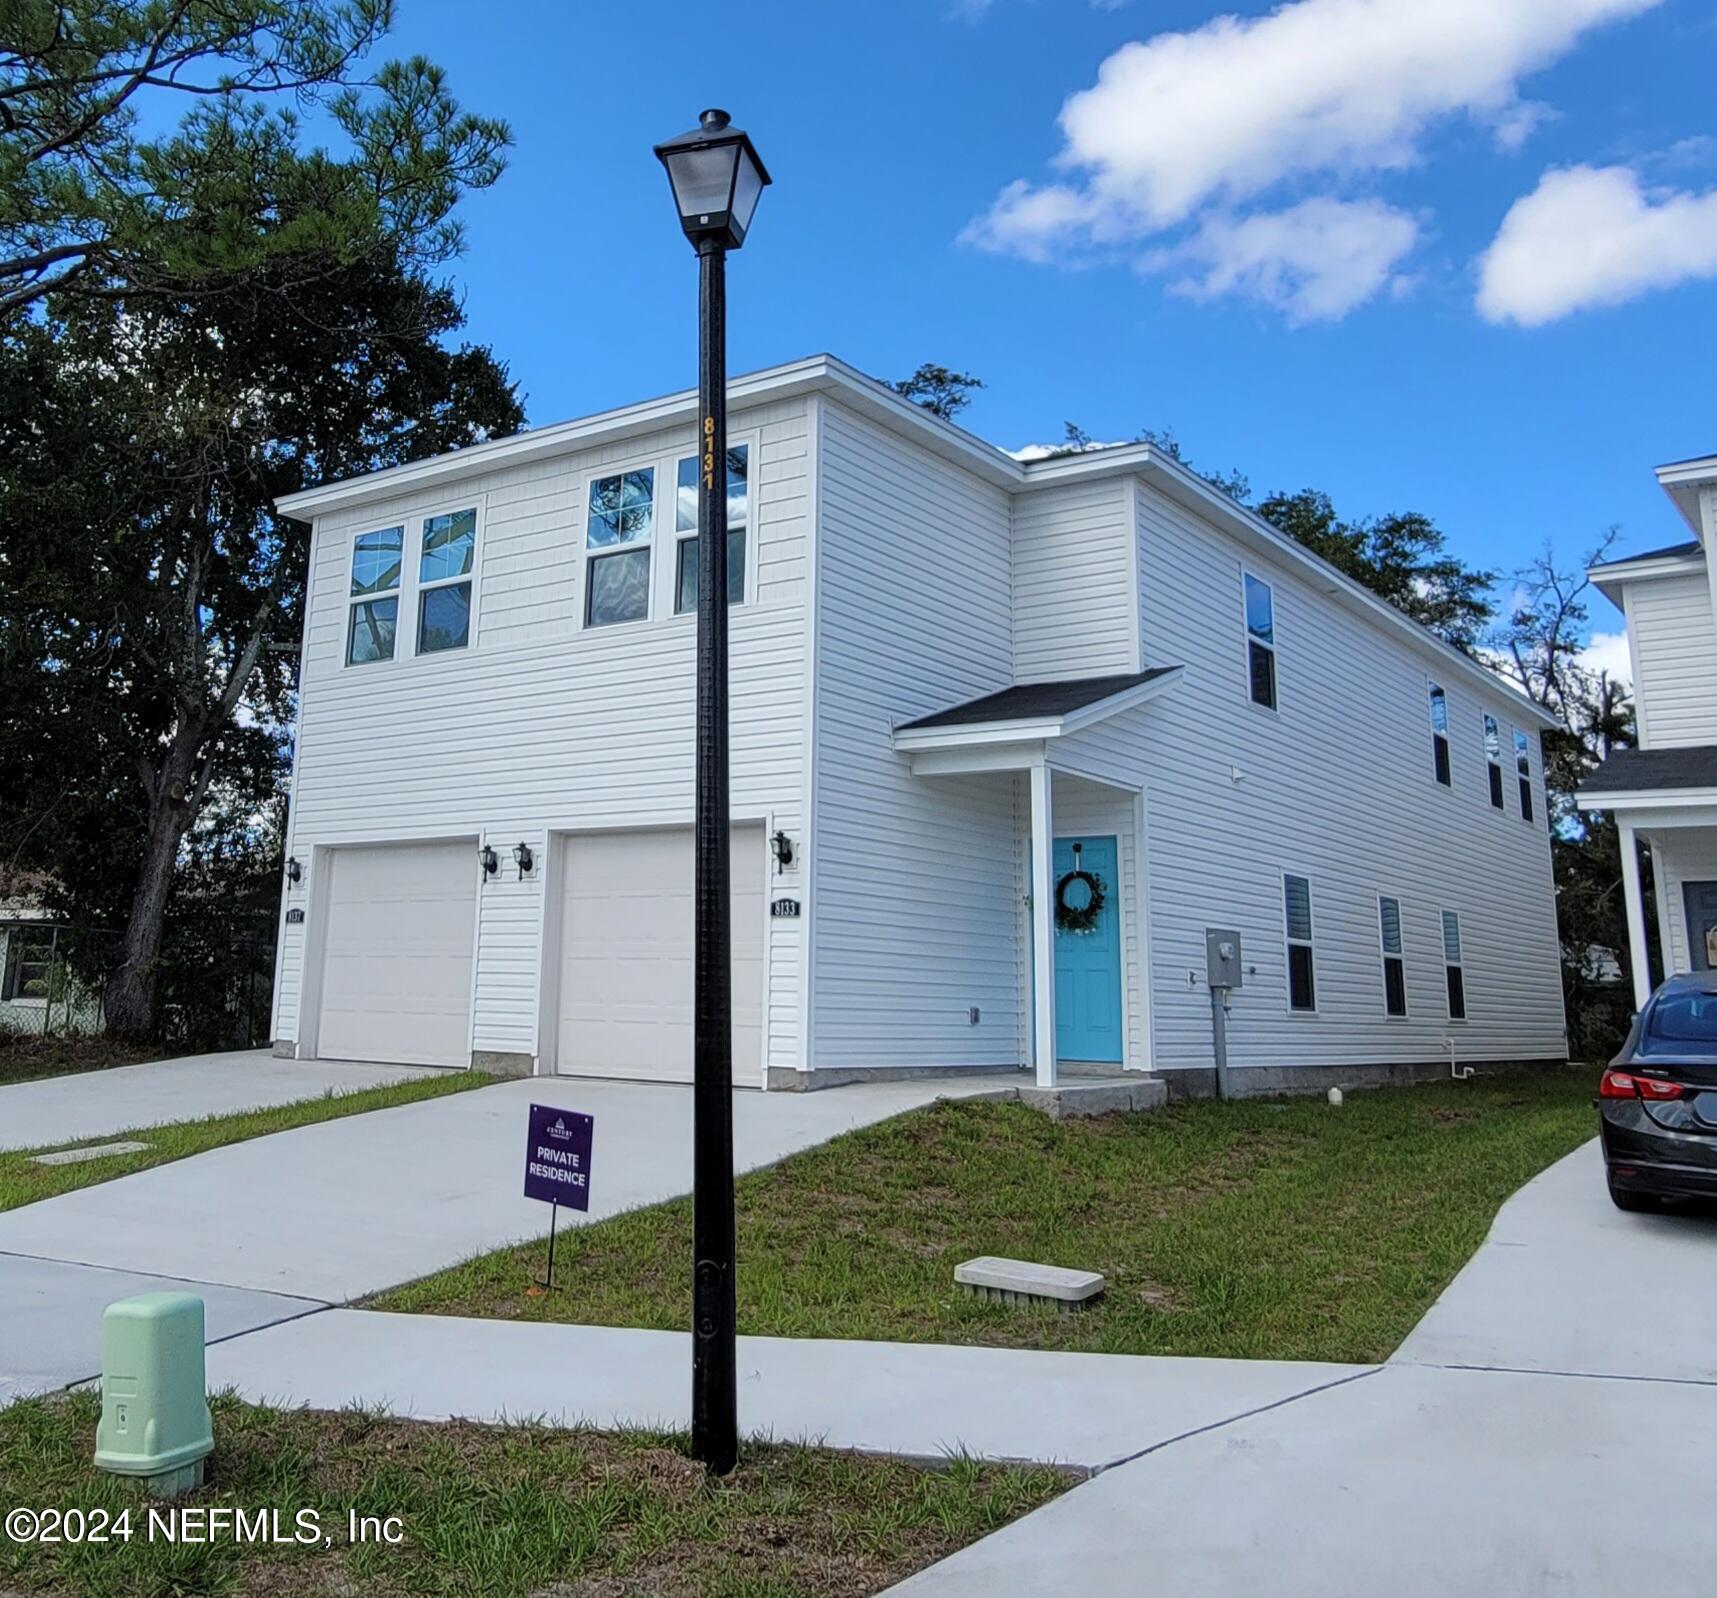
<point>1657,1103</point>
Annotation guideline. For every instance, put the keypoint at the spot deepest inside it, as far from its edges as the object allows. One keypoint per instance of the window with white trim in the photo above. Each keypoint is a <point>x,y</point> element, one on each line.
<point>1523,770</point>
<point>618,531</point>
<point>1440,736</point>
<point>1297,921</point>
<point>1493,758</point>
<point>686,529</point>
<point>1394,959</point>
<point>1260,641</point>
<point>373,619</point>
<point>446,559</point>
<point>1454,971</point>
<point>29,969</point>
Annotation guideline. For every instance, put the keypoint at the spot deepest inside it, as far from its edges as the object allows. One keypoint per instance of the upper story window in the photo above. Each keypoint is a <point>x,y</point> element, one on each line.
<point>1394,961</point>
<point>1493,758</point>
<point>1297,914</point>
<point>1523,769</point>
<point>1260,641</point>
<point>686,528</point>
<point>1454,970</point>
<point>1440,736</point>
<point>444,581</point>
<point>377,559</point>
<point>617,539</point>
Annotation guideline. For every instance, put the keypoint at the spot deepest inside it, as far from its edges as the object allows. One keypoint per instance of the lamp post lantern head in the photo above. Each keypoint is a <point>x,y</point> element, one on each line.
<point>716,178</point>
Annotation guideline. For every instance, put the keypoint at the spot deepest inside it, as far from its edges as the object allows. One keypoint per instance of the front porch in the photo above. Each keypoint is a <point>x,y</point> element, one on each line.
<point>1082,844</point>
<point>1666,799</point>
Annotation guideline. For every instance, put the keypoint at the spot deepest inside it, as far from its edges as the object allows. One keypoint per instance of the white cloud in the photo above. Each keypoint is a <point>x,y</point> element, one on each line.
<point>1590,236</point>
<point>1224,111</point>
<point>1608,653</point>
<point>1314,261</point>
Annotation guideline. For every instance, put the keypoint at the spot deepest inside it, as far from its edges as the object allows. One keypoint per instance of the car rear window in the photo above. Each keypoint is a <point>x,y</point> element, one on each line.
<point>1685,1018</point>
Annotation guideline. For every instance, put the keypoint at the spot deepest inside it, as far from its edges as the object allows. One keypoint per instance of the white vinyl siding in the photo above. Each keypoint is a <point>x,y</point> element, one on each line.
<point>542,725</point>
<point>917,880</point>
<point>1337,784</point>
<point>1675,647</point>
<point>1075,601</point>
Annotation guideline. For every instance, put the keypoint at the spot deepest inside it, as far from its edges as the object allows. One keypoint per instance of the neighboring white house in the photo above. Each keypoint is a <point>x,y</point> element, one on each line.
<point>38,994</point>
<point>1665,791</point>
<point>946,666</point>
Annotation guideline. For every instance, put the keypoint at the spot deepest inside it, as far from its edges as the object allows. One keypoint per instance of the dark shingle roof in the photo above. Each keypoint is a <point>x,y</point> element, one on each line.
<point>1630,770</point>
<point>1032,701</point>
<point>1668,552</point>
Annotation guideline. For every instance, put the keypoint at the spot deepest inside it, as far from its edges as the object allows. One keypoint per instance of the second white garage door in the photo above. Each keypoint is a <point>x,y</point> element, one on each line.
<point>396,965</point>
<point>625,997</point>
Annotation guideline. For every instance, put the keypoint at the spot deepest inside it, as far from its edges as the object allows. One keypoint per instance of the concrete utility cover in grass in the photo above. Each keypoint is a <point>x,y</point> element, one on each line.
<point>1019,1281</point>
<point>100,1151</point>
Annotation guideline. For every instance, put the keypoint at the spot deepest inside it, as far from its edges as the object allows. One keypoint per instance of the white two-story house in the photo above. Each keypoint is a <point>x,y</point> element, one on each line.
<point>1665,791</point>
<point>1007,740</point>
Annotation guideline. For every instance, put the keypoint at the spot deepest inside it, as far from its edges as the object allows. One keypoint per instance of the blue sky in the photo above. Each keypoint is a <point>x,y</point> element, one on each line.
<point>1341,243</point>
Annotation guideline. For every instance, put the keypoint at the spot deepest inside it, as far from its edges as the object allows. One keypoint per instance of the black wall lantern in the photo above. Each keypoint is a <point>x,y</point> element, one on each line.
<point>522,854</point>
<point>490,863</point>
<point>294,871</point>
<point>783,847</point>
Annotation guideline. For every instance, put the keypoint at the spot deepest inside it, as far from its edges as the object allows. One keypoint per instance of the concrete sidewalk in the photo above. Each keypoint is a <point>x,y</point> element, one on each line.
<point>898,1398</point>
<point>1567,1282</point>
<point>1414,1482</point>
<point>88,1104</point>
<point>52,1318</point>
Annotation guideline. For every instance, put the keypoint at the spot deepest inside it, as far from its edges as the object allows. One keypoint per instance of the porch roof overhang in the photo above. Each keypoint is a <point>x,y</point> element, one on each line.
<point>1677,787</point>
<point>1014,728</point>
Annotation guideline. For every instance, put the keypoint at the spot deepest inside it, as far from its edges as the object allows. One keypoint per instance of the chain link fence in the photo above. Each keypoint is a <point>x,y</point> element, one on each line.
<point>213,987</point>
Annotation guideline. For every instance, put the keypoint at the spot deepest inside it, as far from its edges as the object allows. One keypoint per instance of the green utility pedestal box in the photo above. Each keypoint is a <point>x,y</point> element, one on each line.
<point>154,1413</point>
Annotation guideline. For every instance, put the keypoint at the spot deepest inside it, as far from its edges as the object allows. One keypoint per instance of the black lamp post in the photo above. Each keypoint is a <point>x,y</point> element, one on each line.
<point>716,178</point>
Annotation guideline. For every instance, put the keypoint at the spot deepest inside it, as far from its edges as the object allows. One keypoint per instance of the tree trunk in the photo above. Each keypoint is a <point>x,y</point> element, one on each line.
<point>128,1000</point>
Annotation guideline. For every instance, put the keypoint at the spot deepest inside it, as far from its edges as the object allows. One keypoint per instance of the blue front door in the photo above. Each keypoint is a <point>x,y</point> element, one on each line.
<point>1088,963</point>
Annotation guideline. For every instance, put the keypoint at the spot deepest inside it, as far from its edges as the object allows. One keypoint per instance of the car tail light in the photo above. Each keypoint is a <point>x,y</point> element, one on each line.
<point>1624,1085</point>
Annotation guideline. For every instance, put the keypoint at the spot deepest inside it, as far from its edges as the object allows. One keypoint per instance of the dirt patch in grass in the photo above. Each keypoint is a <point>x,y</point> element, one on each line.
<point>27,1057</point>
<point>513,1510</point>
<point>1288,1229</point>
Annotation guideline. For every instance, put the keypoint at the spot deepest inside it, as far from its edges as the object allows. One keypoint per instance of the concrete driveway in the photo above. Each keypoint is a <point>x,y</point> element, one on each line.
<point>1471,1465</point>
<point>332,1212</point>
<point>65,1109</point>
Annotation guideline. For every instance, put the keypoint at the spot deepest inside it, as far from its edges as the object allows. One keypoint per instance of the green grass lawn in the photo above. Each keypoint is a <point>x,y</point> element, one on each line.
<point>22,1181</point>
<point>27,1057</point>
<point>1286,1229</point>
<point>488,1512</point>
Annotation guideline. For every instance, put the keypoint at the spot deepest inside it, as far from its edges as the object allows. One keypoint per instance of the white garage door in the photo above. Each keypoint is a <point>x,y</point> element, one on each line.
<point>625,1005</point>
<point>396,974</point>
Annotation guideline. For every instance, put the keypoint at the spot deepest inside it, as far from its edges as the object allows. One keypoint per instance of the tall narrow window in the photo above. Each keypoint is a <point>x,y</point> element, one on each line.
<point>617,535</point>
<point>686,527</point>
<point>1261,642</point>
<point>1440,735</point>
<point>1453,970</point>
<point>374,618</point>
<point>1523,770</point>
<point>1302,975</point>
<point>444,581</point>
<point>1394,961</point>
<point>1493,758</point>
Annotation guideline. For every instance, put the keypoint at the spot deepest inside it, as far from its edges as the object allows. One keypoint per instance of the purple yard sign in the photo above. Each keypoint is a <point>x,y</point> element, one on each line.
<point>557,1157</point>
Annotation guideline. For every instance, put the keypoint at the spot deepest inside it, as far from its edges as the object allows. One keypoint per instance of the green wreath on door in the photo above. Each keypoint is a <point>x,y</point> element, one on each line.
<point>1079,918</point>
